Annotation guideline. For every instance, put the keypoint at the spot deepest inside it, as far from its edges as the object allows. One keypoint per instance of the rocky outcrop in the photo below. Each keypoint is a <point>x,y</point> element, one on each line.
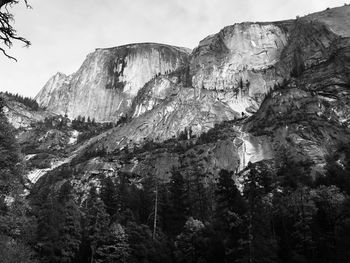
<point>240,61</point>
<point>229,74</point>
<point>169,118</point>
<point>20,115</point>
<point>105,85</point>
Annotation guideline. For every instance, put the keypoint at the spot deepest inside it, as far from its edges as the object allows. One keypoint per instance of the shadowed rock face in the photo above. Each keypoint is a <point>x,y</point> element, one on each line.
<point>108,80</point>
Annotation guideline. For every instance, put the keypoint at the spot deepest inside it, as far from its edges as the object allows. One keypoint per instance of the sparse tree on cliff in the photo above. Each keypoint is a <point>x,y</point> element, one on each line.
<point>8,33</point>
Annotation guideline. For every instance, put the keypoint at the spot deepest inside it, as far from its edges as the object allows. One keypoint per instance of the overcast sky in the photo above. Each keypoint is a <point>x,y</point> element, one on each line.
<point>63,32</point>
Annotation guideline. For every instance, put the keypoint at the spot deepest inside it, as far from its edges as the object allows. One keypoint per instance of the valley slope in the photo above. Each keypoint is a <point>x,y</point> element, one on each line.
<point>259,89</point>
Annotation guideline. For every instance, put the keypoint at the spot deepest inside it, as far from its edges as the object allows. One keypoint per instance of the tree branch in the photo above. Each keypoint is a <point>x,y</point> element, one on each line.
<point>7,55</point>
<point>5,2</point>
<point>7,33</point>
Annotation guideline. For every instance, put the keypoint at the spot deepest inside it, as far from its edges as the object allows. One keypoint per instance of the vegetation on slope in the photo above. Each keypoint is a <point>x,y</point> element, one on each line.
<point>17,225</point>
<point>29,102</point>
<point>278,214</point>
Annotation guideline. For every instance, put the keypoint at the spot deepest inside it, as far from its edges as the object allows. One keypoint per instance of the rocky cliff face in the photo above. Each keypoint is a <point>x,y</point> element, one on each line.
<point>236,66</point>
<point>239,62</point>
<point>290,77</point>
<point>228,75</point>
<point>20,115</point>
<point>308,116</point>
<point>304,59</point>
<point>108,80</point>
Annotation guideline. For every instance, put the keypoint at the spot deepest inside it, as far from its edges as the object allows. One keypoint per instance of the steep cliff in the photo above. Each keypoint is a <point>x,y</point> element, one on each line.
<point>308,116</point>
<point>228,75</point>
<point>304,59</point>
<point>296,69</point>
<point>108,80</point>
<point>236,65</point>
<point>240,61</point>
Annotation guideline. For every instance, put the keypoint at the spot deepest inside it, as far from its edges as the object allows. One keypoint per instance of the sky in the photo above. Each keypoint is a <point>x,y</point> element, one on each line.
<point>63,32</point>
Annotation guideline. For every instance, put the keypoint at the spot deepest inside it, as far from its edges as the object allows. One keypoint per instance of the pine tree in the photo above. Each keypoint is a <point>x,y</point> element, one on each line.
<point>291,173</point>
<point>185,248</point>
<point>147,200</point>
<point>259,243</point>
<point>96,222</point>
<point>176,210</point>
<point>17,230</point>
<point>329,202</point>
<point>59,227</point>
<point>295,211</point>
<point>115,247</point>
<point>229,213</point>
<point>69,228</point>
<point>143,248</point>
<point>297,63</point>
<point>229,199</point>
<point>342,233</point>
<point>199,203</point>
<point>10,160</point>
<point>48,220</point>
<point>240,84</point>
<point>109,197</point>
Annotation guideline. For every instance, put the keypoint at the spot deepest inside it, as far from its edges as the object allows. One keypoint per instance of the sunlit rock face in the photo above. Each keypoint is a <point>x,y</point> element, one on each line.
<point>154,93</point>
<point>240,61</point>
<point>108,80</point>
<point>306,60</point>
<point>171,117</point>
<point>21,116</point>
<point>252,148</point>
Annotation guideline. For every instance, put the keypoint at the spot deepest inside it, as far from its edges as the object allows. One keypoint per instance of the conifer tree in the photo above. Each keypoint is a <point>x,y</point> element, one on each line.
<point>185,247</point>
<point>229,213</point>
<point>177,208</point>
<point>115,247</point>
<point>59,229</point>
<point>69,228</point>
<point>258,243</point>
<point>96,222</point>
<point>109,197</point>
<point>10,160</point>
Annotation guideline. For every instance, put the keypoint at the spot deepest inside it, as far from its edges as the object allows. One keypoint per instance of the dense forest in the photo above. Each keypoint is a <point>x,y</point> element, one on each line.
<point>272,211</point>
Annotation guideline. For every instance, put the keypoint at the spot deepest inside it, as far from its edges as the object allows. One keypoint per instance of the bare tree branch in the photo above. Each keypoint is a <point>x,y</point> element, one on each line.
<point>7,55</point>
<point>7,33</point>
<point>4,2</point>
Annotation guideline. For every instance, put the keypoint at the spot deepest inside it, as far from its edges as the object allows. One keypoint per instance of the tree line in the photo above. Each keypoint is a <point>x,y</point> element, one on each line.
<point>271,215</point>
<point>29,102</point>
